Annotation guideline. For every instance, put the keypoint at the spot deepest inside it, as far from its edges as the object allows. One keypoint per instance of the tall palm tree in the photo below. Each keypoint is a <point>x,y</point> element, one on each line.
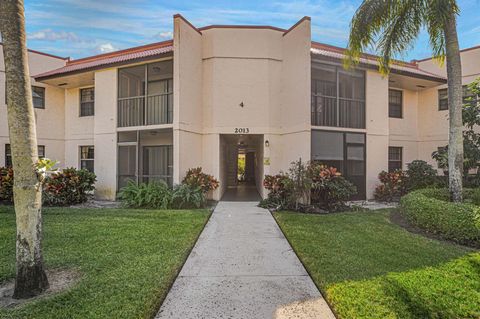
<point>30,279</point>
<point>391,26</point>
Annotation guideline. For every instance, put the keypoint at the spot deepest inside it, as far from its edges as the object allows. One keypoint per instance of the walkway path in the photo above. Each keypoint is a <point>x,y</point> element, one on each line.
<point>243,267</point>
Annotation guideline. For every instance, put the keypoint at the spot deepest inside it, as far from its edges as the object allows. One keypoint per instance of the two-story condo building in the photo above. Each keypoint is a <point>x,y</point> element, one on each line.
<point>215,93</point>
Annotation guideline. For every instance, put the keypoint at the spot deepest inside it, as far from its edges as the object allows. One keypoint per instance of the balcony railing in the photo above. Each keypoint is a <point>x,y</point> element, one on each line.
<point>330,111</point>
<point>133,111</point>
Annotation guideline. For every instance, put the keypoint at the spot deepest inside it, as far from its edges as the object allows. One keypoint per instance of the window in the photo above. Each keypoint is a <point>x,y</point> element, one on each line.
<point>8,154</point>
<point>338,97</point>
<point>394,158</point>
<point>87,102</point>
<point>38,95</point>
<point>467,97</point>
<point>87,156</point>
<point>395,101</point>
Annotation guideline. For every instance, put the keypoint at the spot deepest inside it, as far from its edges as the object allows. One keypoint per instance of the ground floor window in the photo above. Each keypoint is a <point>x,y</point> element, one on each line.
<point>8,154</point>
<point>345,151</point>
<point>87,158</point>
<point>394,158</point>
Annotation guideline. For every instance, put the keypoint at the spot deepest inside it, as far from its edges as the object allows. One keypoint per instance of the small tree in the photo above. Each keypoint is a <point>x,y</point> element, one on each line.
<point>471,138</point>
<point>299,182</point>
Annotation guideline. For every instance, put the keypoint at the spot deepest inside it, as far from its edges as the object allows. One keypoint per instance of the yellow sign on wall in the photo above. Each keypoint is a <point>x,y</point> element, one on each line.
<point>266,161</point>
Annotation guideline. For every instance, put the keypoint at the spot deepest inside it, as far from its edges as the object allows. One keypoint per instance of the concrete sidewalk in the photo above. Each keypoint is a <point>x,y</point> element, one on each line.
<point>243,267</point>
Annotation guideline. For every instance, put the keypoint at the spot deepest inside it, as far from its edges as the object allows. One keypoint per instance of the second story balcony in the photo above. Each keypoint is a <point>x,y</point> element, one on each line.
<point>145,94</point>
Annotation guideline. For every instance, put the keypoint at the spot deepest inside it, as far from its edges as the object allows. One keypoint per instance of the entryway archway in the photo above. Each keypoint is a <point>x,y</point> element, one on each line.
<point>241,166</point>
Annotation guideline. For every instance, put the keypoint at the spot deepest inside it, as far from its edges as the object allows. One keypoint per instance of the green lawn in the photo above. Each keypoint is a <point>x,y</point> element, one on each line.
<point>370,268</point>
<point>127,258</point>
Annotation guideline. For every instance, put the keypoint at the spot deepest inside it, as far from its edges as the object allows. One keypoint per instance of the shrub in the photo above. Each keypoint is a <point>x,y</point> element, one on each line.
<point>392,186</point>
<point>329,189</point>
<point>146,195</point>
<point>420,175</point>
<point>196,178</point>
<point>323,186</point>
<point>429,210</point>
<point>186,196</point>
<point>67,187</point>
<point>6,184</point>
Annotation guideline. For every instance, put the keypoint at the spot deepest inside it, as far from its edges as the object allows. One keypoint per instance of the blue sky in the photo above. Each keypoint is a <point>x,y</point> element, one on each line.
<point>79,28</point>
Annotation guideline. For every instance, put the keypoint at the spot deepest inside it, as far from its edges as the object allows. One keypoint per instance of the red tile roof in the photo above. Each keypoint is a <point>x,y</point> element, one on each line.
<point>400,67</point>
<point>109,59</point>
<point>161,48</point>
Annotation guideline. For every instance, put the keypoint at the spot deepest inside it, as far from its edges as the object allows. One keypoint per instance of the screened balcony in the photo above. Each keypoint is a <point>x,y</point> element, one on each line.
<point>145,156</point>
<point>338,97</point>
<point>145,94</point>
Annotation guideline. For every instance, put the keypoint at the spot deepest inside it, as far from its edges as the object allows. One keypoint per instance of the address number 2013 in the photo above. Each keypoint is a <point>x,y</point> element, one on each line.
<point>242,130</point>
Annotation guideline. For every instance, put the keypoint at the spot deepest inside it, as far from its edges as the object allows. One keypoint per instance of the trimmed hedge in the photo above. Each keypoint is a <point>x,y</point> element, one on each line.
<point>430,210</point>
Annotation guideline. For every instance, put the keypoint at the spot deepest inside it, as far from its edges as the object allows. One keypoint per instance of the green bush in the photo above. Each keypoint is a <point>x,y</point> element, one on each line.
<point>431,211</point>
<point>186,196</point>
<point>420,175</point>
<point>146,195</point>
<point>68,187</point>
<point>6,184</point>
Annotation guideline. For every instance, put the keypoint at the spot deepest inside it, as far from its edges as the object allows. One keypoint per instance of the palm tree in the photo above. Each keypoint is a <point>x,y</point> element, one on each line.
<point>392,26</point>
<point>30,279</point>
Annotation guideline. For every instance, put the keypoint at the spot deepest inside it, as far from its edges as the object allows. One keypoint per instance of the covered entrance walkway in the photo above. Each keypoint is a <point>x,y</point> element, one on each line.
<point>241,166</point>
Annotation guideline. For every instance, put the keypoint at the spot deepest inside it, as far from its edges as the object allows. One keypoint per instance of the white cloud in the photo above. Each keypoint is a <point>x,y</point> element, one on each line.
<point>50,35</point>
<point>105,48</point>
<point>165,35</point>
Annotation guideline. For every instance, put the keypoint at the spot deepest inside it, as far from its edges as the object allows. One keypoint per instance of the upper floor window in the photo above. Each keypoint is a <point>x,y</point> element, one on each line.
<point>394,158</point>
<point>338,96</point>
<point>87,157</point>
<point>8,154</point>
<point>87,102</point>
<point>145,94</point>
<point>38,95</point>
<point>467,97</point>
<point>395,100</point>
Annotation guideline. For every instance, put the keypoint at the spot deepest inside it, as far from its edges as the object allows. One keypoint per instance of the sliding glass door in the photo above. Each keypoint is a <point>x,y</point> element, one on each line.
<point>344,151</point>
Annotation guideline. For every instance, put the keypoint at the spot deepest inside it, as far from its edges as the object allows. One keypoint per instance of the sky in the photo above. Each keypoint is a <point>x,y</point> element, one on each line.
<point>80,28</point>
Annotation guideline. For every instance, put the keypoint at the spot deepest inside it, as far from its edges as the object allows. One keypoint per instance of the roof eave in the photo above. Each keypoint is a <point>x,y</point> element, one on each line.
<point>40,78</point>
<point>392,70</point>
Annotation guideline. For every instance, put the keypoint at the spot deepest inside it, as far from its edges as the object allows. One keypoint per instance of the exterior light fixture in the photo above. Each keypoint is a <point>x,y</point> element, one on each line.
<point>267,143</point>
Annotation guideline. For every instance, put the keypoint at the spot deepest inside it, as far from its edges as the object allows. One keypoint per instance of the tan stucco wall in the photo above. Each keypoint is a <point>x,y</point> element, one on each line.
<point>432,123</point>
<point>49,121</point>
<point>377,127</point>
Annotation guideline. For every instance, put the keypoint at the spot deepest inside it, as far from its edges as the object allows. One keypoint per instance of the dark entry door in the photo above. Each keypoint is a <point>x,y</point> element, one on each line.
<point>344,151</point>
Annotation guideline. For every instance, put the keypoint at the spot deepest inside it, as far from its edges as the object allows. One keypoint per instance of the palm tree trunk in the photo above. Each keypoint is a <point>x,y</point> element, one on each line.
<point>30,279</point>
<point>455,137</point>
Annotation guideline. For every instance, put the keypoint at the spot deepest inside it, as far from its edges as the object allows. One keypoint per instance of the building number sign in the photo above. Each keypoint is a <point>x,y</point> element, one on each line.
<point>242,130</point>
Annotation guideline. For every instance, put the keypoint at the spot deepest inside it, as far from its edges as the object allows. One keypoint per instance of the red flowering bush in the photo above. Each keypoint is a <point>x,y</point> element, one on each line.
<point>6,184</point>
<point>392,187</point>
<point>67,187</point>
<point>329,189</point>
<point>196,178</point>
<point>275,183</point>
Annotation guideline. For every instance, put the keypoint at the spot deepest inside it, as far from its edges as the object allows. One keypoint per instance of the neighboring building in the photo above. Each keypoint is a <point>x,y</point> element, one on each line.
<point>271,95</point>
<point>49,105</point>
